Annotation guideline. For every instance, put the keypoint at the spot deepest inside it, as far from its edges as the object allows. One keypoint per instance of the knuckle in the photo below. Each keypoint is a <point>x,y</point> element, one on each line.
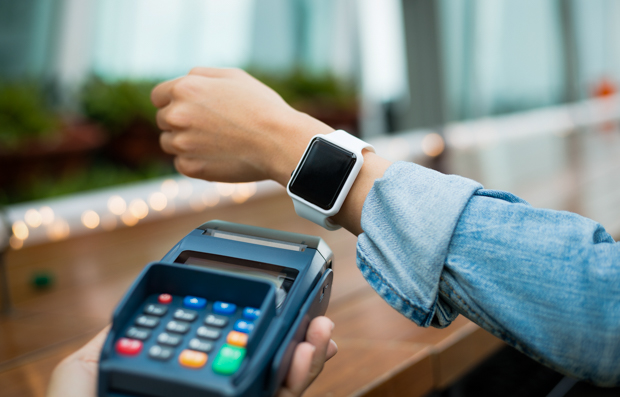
<point>181,143</point>
<point>159,119</point>
<point>164,142</point>
<point>187,167</point>
<point>177,117</point>
<point>182,88</point>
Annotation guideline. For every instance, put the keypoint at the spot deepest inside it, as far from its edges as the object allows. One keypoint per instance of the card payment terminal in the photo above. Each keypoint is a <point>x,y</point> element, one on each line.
<point>220,315</point>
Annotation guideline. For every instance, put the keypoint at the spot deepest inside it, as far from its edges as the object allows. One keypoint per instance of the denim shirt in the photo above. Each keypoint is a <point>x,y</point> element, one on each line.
<point>546,282</point>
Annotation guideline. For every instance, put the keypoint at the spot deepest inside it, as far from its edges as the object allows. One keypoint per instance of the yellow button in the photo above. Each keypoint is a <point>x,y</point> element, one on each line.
<point>192,359</point>
<point>237,338</point>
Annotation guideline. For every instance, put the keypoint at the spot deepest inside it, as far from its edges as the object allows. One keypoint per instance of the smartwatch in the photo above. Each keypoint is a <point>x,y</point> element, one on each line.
<point>324,176</point>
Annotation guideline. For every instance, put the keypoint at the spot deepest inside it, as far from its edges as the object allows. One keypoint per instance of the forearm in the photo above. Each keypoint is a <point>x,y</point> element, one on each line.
<point>547,282</point>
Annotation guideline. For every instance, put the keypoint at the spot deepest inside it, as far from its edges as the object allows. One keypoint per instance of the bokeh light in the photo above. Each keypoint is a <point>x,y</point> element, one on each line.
<point>117,205</point>
<point>33,218</point>
<point>20,230</point>
<point>433,144</point>
<point>47,215</point>
<point>90,219</point>
<point>138,208</point>
<point>158,201</point>
<point>129,219</point>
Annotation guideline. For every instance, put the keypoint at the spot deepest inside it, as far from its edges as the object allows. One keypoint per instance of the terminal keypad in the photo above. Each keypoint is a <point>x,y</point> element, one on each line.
<point>191,329</point>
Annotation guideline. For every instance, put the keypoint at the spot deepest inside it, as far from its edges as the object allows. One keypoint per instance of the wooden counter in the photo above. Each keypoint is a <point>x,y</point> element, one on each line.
<point>381,353</point>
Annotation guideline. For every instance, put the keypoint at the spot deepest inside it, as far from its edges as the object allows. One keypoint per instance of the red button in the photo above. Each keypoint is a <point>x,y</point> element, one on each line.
<point>129,347</point>
<point>165,298</point>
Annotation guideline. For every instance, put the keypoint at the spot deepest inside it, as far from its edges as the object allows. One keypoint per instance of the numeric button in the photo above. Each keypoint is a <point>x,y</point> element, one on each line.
<point>180,327</point>
<point>216,321</point>
<point>199,345</point>
<point>160,352</point>
<point>147,321</point>
<point>155,310</point>
<point>169,339</point>
<point>138,333</point>
<point>185,315</point>
<point>208,332</point>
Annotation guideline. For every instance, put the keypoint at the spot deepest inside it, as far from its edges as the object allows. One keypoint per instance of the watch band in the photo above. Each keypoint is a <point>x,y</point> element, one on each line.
<point>320,217</point>
<point>305,211</point>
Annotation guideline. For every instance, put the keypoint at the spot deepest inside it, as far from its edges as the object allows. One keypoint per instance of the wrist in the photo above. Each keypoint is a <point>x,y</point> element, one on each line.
<point>289,143</point>
<point>350,214</point>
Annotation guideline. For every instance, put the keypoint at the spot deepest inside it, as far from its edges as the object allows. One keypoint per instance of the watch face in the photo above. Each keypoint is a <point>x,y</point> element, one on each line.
<point>322,173</point>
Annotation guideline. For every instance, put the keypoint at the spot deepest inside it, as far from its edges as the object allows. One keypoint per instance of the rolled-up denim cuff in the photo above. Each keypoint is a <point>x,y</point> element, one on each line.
<point>408,220</point>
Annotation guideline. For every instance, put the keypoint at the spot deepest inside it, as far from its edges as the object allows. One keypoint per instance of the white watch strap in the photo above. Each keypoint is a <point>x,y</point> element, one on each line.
<point>314,216</point>
<point>351,143</point>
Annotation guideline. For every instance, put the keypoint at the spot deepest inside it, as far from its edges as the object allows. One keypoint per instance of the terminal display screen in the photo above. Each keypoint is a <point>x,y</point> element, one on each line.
<point>281,277</point>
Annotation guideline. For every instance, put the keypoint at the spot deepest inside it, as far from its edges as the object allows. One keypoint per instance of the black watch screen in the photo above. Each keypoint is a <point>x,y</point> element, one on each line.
<point>322,173</point>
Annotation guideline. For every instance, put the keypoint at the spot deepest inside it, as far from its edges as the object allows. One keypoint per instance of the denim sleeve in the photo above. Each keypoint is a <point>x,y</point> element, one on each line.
<point>547,282</point>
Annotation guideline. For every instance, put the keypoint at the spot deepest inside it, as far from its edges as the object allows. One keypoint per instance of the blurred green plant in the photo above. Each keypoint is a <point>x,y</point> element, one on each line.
<point>119,104</point>
<point>24,114</point>
<point>304,90</point>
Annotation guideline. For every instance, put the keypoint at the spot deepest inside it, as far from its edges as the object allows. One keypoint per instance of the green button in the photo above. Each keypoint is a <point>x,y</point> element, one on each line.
<point>228,359</point>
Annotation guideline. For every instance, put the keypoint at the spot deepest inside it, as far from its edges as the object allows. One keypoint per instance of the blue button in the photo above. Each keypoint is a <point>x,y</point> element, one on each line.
<point>194,302</point>
<point>244,326</point>
<point>251,313</point>
<point>224,308</point>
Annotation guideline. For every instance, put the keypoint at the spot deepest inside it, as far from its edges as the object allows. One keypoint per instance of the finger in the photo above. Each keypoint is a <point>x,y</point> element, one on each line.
<point>319,334</point>
<point>173,117</point>
<point>297,377</point>
<point>308,361</point>
<point>332,349</point>
<point>165,141</point>
<point>216,72</point>
<point>162,93</point>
